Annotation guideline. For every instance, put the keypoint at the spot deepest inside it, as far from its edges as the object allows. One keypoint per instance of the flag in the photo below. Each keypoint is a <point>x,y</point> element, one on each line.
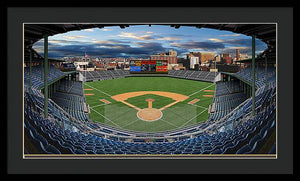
<point>86,55</point>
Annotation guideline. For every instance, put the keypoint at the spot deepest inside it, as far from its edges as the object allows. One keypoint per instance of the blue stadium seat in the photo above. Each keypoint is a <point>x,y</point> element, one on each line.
<point>273,149</point>
<point>243,149</point>
<point>79,151</point>
<point>216,151</point>
<point>53,150</point>
<point>42,140</point>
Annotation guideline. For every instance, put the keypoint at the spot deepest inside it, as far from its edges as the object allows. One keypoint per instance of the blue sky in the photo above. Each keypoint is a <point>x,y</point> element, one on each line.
<point>140,41</point>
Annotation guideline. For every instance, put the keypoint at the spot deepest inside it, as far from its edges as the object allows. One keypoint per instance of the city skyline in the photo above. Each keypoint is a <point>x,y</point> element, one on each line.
<point>141,41</point>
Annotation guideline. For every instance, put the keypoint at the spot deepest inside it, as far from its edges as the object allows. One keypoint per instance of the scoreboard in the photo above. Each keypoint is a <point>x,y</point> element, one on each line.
<point>148,66</point>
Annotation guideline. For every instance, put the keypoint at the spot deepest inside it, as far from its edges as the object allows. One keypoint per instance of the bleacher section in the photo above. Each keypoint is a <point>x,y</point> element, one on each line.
<point>71,87</point>
<point>225,104</point>
<point>194,75</point>
<point>73,104</point>
<point>104,75</point>
<point>260,75</point>
<point>37,75</point>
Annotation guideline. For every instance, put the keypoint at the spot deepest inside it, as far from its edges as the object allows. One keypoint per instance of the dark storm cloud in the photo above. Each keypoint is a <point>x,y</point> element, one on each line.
<point>123,48</point>
<point>105,49</point>
<point>207,46</point>
<point>246,43</point>
<point>153,47</point>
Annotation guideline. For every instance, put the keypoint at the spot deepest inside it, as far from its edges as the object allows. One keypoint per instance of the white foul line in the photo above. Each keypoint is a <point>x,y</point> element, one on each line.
<point>98,90</point>
<point>97,105</point>
<point>169,123</point>
<point>130,123</point>
<point>198,106</point>
<point>105,117</point>
<point>200,90</point>
<point>192,118</point>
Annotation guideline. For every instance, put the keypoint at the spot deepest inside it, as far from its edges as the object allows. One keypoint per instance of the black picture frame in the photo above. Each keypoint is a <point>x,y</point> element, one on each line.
<point>16,16</point>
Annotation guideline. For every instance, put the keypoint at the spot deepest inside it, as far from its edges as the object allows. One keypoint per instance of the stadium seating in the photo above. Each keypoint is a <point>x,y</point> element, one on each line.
<point>193,75</point>
<point>229,130</point>
<point>73,104</point>
<point>260,75</point>
<point>226,142</point>
<point>104,75</point>
<point>71,87</point>
<point>37,75</point>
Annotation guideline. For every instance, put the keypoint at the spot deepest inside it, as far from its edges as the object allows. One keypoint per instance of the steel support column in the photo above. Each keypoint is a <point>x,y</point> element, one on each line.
<point>253,75</point>
<point>266,70</point>
<point>30,71</point>
<point>46,76</point>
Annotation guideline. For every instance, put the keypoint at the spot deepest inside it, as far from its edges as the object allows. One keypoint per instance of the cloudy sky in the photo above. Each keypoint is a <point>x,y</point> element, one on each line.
<point>140,41</point>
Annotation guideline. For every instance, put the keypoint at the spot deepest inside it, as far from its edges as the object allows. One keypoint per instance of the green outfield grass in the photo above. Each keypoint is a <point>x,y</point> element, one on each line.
<point>120,115</point>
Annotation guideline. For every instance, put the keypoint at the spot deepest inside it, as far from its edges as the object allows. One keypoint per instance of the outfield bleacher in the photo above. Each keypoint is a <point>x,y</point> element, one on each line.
<point>104,75</point>
<point>193,75</point>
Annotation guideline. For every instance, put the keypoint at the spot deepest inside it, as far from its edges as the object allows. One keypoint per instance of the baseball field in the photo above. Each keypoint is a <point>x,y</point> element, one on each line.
<point>149,104</point>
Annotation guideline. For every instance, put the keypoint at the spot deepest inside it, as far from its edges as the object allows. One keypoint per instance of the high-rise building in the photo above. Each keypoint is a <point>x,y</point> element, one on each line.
<point>237,54</point>
<point>203,57</point>
<point>172,53</point>
<point>171,56</point>
<point>207,56</point>
<point>194,61</point>
<point>243,56</point>
<point>218,58</point>
<point>193,54</point>
<point>226,58</point>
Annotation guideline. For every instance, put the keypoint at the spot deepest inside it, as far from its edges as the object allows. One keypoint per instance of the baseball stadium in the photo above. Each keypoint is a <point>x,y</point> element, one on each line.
<point>149,109</point>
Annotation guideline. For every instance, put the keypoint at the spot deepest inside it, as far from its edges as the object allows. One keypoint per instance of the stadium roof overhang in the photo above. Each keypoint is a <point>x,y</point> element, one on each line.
<point>264,32</point>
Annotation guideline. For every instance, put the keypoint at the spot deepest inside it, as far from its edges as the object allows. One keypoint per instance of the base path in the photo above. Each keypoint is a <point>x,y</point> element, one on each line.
<point>209,91</point>
<point>208,95</point>
<point>193,101</point>
<point>105,101</point>
<point>149,114</point>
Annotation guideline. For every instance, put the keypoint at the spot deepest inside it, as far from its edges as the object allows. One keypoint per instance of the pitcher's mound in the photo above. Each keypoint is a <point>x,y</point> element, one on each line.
<point>149,114</point>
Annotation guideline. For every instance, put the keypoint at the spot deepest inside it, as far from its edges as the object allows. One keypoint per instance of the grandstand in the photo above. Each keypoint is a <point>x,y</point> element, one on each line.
<point>194,75</point>
<point>103,75</point>
<point>239,122</point>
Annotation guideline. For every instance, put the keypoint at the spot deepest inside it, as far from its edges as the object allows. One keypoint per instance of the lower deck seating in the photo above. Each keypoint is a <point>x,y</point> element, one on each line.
<point>49,136</point>
<point>73,104</point>
<point>246,138</point>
